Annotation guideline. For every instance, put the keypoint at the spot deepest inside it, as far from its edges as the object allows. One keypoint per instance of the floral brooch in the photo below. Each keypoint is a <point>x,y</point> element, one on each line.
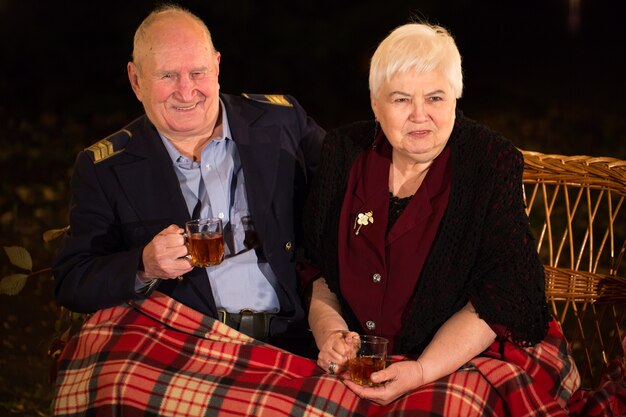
<point>362,219</point>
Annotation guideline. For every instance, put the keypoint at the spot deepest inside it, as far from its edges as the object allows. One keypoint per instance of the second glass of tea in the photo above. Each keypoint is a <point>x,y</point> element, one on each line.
<point>369,355</point>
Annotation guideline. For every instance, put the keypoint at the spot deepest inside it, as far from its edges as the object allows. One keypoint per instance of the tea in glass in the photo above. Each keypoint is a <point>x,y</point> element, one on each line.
<point>369,356</point>
<point>205,242</point>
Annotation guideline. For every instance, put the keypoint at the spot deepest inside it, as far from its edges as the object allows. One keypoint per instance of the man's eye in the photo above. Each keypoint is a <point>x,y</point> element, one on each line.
<point>197,74</point>
<point>435,99</point>
<point>401,100</point>
<point>167,76</point>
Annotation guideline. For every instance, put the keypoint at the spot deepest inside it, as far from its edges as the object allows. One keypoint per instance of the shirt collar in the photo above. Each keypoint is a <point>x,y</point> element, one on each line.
<point>175,154</point>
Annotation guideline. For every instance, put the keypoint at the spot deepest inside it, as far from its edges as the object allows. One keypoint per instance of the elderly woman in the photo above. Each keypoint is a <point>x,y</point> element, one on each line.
<point>417,227</point>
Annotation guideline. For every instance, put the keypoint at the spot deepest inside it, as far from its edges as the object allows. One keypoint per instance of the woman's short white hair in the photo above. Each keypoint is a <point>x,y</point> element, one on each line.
<point>417,46</point>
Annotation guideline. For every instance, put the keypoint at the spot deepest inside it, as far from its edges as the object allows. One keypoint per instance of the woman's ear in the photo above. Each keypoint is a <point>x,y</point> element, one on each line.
<point>374,106</point>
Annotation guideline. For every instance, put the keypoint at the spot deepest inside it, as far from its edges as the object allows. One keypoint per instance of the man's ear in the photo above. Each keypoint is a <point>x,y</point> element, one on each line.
<point>133,77</point>
<point>218,58</point>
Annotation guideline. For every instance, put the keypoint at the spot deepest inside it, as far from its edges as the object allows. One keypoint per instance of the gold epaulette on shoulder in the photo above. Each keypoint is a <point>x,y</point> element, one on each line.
<point>278,99</point>
<point>109,146</point>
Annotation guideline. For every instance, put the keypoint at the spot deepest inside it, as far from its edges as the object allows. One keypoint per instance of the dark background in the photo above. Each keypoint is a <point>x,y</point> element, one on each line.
<point>547,73</point>
<point>67,59</point>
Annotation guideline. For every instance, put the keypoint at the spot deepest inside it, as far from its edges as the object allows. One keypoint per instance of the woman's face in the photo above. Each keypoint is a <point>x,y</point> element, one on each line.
<point>416,112</point>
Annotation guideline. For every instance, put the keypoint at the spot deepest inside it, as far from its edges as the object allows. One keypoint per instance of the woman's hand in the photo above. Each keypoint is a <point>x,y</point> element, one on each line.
<point>461,338</point>
<point>336,349</point>
<point>398,379</point>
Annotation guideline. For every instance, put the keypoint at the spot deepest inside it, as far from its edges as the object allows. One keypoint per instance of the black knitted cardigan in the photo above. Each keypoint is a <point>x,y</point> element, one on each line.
<point>484,250</point>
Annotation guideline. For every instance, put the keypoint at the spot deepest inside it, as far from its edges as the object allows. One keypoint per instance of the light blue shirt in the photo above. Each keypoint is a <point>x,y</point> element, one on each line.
<point>241,280</point>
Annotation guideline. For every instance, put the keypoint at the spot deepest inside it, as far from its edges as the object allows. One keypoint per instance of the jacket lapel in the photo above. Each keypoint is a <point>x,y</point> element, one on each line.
<point>259,157</point>
<point>369,180</point>
<point>374,203</point>
<point>150,182</point>
<point>418,209</point>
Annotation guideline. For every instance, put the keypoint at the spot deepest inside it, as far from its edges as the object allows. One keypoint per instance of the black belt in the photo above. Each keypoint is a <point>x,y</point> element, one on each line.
<point>249,322</point>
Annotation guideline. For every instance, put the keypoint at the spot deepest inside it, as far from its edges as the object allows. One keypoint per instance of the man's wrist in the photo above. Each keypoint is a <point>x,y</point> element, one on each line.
<point>144,278</point>
<point>141,286</point>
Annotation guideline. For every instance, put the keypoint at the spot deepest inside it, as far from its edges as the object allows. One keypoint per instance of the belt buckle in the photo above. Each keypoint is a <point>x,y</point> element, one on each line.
<point>247,312</point>
<point>221,315</point>
<point>252,323</point>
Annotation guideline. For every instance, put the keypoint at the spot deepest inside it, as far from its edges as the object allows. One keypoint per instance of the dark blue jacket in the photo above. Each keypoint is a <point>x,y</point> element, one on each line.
<point>125,191</point>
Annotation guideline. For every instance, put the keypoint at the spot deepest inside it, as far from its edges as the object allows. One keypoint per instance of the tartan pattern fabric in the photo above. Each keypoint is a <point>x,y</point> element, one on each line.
<point>609,400</point>
<point>157,357</point>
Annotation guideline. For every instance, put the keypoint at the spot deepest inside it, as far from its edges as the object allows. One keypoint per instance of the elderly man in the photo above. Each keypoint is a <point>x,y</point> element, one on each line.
<point>195,153</point>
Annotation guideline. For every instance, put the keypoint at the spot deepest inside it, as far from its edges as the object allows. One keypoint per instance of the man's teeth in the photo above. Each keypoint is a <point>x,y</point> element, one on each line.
<point>186,108</point>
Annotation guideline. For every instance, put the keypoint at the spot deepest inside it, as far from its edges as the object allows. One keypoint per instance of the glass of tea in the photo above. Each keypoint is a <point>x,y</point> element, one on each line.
<point>369,355</point>
<point>205,242</point>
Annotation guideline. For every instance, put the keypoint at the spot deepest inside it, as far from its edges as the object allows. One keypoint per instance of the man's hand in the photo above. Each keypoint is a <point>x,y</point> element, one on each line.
<point>164,256</point>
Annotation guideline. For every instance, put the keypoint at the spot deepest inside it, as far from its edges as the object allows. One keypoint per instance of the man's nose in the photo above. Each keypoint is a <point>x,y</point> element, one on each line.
<point>186,88</point>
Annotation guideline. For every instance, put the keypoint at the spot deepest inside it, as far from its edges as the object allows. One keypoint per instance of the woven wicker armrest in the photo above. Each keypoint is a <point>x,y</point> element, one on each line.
<point>575,205</point>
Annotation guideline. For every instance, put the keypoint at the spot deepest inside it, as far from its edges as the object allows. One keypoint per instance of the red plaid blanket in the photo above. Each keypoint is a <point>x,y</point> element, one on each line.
<point>158,357</point>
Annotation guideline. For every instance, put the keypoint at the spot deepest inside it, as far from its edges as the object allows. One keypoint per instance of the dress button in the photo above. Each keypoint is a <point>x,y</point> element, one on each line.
<point>376,278</point>
<point>370,325</point>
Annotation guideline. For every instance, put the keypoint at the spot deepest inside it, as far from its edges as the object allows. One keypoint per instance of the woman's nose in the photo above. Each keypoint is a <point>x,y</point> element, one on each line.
<point>418,112</point>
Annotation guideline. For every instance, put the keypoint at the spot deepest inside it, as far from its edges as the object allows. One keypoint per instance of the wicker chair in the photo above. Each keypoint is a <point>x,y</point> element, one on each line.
<point>578,216</point>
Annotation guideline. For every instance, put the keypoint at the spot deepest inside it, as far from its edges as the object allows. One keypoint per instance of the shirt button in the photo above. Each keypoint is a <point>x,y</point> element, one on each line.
<point>221,215</point>
<point>376,278</point>
<point>370,325</point>
<point>208,166</point>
